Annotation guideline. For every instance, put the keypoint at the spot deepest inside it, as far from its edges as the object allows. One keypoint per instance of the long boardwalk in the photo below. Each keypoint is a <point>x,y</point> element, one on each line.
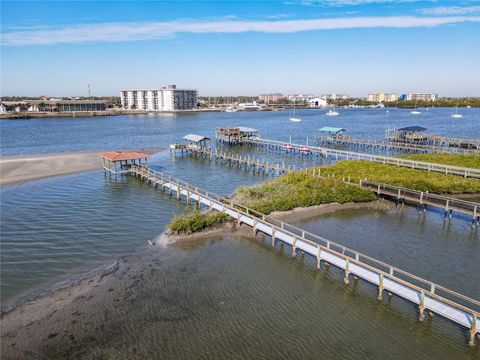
<point>422,198</point>
<point>246,162</point>
<point>391,145</point>
<point>428,296</point>
<point>448,204</point>
<point>350,155</point>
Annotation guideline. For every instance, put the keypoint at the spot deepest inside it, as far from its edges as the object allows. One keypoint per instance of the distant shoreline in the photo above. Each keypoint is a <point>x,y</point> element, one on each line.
<point>75,114</point>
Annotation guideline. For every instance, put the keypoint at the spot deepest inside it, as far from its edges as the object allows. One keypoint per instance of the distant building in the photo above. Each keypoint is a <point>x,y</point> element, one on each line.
<point>317,102</point>
<point>167,98</point>
<point>3,109</point>
<point>382,97</point>
<point>70,105</point>
<point>267,98</point>
<point>33,108</point>
<point>249,106</point>
<point>300,97</point>
<point>420,96</point>
<point>334,96</point>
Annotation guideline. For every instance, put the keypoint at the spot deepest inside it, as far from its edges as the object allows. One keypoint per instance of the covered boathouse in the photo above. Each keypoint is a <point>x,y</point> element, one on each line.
<point>120,162</point>
<point>235,135</point>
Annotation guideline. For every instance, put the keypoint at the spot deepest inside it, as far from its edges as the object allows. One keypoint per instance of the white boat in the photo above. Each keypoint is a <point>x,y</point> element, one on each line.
<point>231,109</point>
<point>332,113</point>
<point>294,118</point>
<point>415,111</point>
<point>457,115</point>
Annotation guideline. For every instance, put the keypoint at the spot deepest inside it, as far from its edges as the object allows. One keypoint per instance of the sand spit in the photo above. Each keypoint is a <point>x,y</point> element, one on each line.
<point>17,169</point>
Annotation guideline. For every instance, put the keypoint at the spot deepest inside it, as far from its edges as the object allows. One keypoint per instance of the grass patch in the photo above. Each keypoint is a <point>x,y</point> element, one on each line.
<point>436,183</point>
<point>298,190</point>
<point>447,159</point>
<point>195,220</point>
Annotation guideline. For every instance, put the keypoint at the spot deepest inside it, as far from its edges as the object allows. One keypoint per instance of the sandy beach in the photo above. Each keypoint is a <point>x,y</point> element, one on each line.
<point>16,169</point>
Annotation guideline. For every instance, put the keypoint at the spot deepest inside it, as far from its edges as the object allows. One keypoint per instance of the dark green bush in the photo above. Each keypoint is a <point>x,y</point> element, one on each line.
<point>195,221</point>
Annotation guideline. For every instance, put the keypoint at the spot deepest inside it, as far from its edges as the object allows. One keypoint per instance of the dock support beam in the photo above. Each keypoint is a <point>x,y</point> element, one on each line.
<point>421,307</point>
<point>380,287</point>
<point>473,330</point>
<point>347,272</point>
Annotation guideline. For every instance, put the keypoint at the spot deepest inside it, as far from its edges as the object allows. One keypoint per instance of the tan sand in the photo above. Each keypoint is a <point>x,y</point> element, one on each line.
<point>15,169</point>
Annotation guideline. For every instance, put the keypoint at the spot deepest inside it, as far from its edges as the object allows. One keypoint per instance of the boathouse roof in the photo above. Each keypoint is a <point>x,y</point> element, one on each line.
<point>244,129</point>
<point>123,155</point>
<point>413,128</point>
<point>195,138</point>
<point>332,129</point>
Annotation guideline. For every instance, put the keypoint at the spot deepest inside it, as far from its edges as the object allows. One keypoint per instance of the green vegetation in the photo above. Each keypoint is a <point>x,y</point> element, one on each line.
<point>298,190</point>
<point>447,159</point>
<point>195,221</point>
<point>413,179</point>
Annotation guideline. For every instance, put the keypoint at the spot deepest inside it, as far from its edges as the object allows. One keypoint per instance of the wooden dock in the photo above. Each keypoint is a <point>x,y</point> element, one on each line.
<point>400,195</point>
<point>350,155</point>
<point>425,294</point>
<point>421,198</point>
<point>393,145</point>
<point>247,162</point>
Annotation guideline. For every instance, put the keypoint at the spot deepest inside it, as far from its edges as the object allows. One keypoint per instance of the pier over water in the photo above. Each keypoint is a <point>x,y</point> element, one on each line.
<point>428,296</point>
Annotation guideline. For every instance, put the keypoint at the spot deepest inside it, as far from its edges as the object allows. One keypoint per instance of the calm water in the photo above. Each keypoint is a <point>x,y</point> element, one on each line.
<point>151,131</point>
<point>55,228</point>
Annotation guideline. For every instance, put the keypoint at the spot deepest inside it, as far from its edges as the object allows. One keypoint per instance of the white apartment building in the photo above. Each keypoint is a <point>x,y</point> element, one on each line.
<point>382,97</point>
<point>167,98</point>
<point>420,96</point>
<point>334,96</point>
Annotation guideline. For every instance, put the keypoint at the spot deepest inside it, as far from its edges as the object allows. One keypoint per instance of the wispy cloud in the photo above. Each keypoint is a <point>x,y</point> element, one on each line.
<point>451,10</point>
<point>339,3</point>
<point>115,32</point>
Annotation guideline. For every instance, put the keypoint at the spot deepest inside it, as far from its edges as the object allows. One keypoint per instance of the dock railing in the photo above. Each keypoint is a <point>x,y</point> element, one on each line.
<point>350,155</point>
<point>435,149</point>
<point>427,294</point>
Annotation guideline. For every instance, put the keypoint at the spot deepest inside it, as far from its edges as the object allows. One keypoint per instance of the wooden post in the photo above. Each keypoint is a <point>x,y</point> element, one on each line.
<point>347,272</point>
<point>178,190</point>
<point>380,287</point>
<point>319,254</point>
<point>473,330</point>
<point>421,307</point>
<point>294,246</point>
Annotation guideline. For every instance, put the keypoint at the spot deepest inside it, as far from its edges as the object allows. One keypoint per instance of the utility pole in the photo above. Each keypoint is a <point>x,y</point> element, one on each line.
<point>89,93</point>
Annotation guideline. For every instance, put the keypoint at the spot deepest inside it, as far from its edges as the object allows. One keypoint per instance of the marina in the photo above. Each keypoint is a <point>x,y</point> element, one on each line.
<point>394,145</point>
<point>350,155</point>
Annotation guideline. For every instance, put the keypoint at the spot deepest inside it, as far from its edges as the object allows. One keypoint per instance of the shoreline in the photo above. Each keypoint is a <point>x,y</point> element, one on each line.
<point>24,168</point>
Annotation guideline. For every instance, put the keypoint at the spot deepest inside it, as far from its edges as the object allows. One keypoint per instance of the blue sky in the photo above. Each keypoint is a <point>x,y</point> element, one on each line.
<point>241,48</point>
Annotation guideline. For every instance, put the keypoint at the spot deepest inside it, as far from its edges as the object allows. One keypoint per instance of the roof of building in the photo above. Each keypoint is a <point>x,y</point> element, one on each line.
<point>332,129</point>
<point>123,155</point>
<point>246,129</point>
<point>195,138</point>
<point>413,128</point>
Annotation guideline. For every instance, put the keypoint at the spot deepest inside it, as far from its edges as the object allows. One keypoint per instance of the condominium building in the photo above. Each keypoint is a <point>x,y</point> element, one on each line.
<point>270,97</point>
<point>382,97</point>
<point>167,98</point>
<point>300,97</point>
<point>420,96</point>
<point>334,96</point>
